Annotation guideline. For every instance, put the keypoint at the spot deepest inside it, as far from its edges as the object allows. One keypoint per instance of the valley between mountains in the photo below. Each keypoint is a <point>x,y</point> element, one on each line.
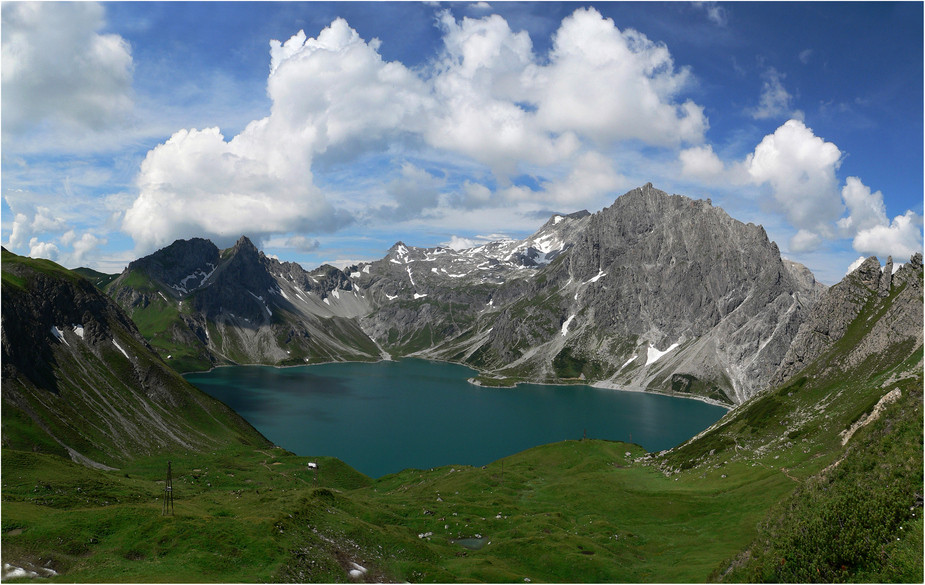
<point>815,474</point>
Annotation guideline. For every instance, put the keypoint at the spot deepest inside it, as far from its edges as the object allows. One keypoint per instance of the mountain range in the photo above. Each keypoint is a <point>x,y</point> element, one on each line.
<point>657,291</point>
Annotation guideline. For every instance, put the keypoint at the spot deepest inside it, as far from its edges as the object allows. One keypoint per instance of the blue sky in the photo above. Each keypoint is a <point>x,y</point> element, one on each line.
<point>328,131</point>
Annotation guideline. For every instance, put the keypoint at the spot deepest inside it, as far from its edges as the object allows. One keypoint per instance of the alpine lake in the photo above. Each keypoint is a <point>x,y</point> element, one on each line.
<point>387,416</point>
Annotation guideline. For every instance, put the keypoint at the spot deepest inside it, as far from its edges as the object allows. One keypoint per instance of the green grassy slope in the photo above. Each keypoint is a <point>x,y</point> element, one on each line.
<point>578,511</point>
<point>160,319</point>
<point>847,429</point>
<point>573,511</point>
<point>99,279</point>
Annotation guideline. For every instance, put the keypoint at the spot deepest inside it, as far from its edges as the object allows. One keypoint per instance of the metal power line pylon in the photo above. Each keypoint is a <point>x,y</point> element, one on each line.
<point>168,494</point>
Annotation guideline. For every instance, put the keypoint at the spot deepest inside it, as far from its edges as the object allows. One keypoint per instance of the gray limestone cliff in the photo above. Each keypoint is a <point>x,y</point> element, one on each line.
<point>663,292</point>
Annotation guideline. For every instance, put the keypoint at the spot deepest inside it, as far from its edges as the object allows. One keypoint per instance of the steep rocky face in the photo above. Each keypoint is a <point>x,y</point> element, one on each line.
<point>38,304</point>
<point>80,380</point>
<point>238,285</point>
<point>440,302</point>
<point>894,299</point>
<point>657,291</point>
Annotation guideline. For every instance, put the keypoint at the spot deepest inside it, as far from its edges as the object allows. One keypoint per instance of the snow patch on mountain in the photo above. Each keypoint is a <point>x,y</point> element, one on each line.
<point>59,334</point>
<point>119,347</point>
<point>566,324</point>
<point>601,274</point>
<point>653,354</point>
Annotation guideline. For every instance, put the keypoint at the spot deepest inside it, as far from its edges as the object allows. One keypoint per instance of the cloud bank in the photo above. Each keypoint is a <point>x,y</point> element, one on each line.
<point>487,103</point>
<point>485,123</point>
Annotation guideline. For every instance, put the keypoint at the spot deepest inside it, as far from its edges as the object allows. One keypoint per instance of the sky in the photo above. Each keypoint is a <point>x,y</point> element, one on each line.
<point>326,132</point>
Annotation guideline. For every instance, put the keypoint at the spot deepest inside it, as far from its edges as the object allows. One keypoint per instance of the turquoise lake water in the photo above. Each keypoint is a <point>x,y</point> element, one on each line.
<point>383,417</point>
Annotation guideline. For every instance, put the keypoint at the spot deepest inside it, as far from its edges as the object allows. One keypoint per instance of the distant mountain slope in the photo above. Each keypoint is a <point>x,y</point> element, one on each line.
<point>200,306</point>
<point>99,279</point>
<point>657,291</point>
<point>891,307</point>
<point>80,381</point>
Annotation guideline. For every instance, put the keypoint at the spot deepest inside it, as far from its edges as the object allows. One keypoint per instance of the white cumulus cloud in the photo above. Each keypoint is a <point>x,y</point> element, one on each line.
<point>42,222</point>
<point>871,229</point>
<point>854,265</point>
<point>592,176</point>
<point>196,184</point>
<point>901,238</point>
<point>700,162</point>
<point>57,68</point>
<point>800,169</point>
<point>86,244</point>
<point>865,209</point>
<point>485,97</point>
<point>458,243</point>
<point>805,241</point>
<point>39,249</point>
<point>610,84</point>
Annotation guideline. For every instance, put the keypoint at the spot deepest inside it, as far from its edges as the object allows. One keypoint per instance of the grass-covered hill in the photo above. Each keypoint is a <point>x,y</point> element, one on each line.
<point>817,479</point>
<point>99,279</point>
<point>79,380</point>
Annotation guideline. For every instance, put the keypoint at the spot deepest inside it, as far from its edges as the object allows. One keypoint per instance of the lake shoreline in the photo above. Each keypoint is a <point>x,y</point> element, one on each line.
<point>605,385</point>
<point>602,384</point>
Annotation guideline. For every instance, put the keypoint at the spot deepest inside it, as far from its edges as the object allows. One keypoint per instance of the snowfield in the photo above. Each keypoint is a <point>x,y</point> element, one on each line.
<point>566,324</point>
<point>653,354</point>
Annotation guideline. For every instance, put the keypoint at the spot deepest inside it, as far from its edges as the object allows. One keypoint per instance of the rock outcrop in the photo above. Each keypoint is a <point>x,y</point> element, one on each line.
<point>658,273</point>
<point>891,302</point>
<point>239,306</point>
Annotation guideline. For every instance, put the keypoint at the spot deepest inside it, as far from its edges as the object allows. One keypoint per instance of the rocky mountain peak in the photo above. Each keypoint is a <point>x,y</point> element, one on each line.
<point>558,218</point>
<point>331,278</point>
<point>910,272</point>
<point>245,246</point>
<point>398,249</point>
<point>179,264</point>
<point>869,272</point>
